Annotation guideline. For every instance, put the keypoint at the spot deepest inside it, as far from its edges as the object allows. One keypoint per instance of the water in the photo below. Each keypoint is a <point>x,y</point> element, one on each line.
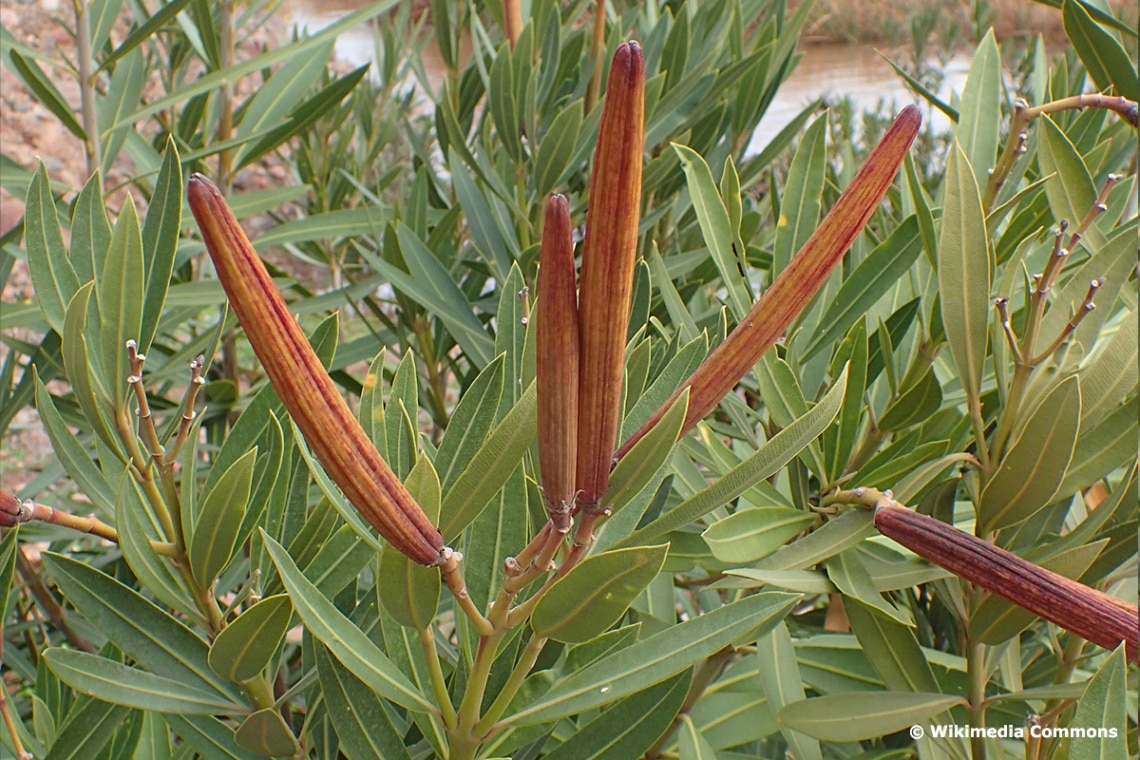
<point>856,71</point>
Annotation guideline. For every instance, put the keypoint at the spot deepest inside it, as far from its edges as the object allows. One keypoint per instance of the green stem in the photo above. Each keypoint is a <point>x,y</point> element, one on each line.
<point>511,687</point>
<point>464,738</point>
<point>435,672</point>
<point>86,67</point>
<point>976,673</point>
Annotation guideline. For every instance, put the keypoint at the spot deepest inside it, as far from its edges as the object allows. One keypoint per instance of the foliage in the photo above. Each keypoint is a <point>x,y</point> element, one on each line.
<point>736,600</point>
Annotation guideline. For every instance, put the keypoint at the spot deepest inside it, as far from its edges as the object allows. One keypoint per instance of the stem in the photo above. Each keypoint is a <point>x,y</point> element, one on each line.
<point>465,739</point>
<point>13,511</point>
<point>47,602</point>
<point>449,569</point>
<point>597,51</point>
<point>21,753</point>
<point>511,687</point>
<point>87,84</point>
<point>976,693</point>
<point>435,672</point>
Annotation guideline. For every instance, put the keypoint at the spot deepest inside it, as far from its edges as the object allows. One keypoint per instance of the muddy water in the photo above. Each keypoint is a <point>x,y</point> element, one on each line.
<point>856,71</point>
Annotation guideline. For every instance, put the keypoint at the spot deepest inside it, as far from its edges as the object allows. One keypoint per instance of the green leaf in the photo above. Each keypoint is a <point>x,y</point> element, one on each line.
<point>90,230</point>
<point>715,227</point>
<point>750,534</point>
<point>160,240</point>
<point>964,273</point>
<point>980,110</point>
<point>123,94</point>
<point>637,468</point>
<point>72,453</point>
<point>470,423</point>
<point>347,642</point>
<point>138,527</point>
<point>656,658</point>
<point>628,728</point>
<point>892,649</point>
<point>855,716</point>
<point>1103,706</point>
<point>219,520</point>
<point>800,205</point>
<point>114,682</point>
<point>245,647</point>
<point>496,534</point>
<point>766,461</point>
<point>45,91</point>
<point>1034,467</point>
<point>216,79</point>
<point>874,277</point>
<point>403,404</point>
<point>408,590</point>
<point>1103,56</point>
<point>278,96</point>
<point>489,468</point>
<point>363,727</point>
<point>153,638</point>
<point>144,31</point>
<point>556,147</point>
<point>208,736</point>
<point>914,405</point>
<point>266,733</point>
<point>89,726</point>
<point>119,294</point>
<point>834,536</point>
<point>780,675</point>
<point>1112,375</point>
<point>1104,448</point>
<point>1069,187</point>
<point>303,115</point>
<point>53,276</point>
<point>7,566</point>
<point>596,593</point>
<point>848,574</point>
<point>693,745</point>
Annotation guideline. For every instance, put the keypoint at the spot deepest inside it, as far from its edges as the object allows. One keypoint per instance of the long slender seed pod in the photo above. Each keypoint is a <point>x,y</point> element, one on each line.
<point>797,284</point>
<point>1089,613</point>
<point>557,363</point>
<point>608,257</point>
<point>305,388</point>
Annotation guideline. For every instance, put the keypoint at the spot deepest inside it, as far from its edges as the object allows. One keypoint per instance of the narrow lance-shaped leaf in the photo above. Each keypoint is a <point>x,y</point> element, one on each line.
<point>556,365</point>
<point>608,258</point>
<point>304,386</point>
<point>798,283</point>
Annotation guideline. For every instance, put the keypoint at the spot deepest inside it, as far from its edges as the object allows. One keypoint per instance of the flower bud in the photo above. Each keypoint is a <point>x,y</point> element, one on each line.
<point>305,388</point>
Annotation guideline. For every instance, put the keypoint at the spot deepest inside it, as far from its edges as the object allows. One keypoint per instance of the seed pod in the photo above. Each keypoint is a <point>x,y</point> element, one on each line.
<point>305,388</point>
<point>556,367</point>
<point>797,284</point>
<point>1088,613</point>
<point>608,257</point>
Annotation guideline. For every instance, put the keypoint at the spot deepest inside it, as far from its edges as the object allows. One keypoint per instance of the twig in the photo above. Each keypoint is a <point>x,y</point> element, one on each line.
<point>13,511</point>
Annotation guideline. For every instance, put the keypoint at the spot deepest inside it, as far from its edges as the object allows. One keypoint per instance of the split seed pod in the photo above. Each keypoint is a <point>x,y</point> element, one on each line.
<point>608,257</point>
<point>797,284</point>
<point>305,388</point>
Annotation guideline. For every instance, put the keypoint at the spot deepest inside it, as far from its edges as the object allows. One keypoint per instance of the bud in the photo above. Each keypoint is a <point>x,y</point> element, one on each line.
<point>1088,613</point>
<point>557,363</point>
<point>608,257</point>
<point>798,283</point>
<point>305,388</point>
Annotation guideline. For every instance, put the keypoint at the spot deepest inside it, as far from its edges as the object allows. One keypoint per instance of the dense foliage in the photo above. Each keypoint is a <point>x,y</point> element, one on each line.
<point>856,540</point>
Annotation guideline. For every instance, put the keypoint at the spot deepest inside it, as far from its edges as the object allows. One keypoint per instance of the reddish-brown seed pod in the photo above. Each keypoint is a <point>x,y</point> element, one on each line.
<point>608,258</point>
<point>556,370</point>
<point>1088,613</point>
<point>305,388</point>
<point>798,283</point>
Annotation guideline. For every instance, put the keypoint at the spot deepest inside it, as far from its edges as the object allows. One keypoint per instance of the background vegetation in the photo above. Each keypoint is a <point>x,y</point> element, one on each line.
<point>777,618</point>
